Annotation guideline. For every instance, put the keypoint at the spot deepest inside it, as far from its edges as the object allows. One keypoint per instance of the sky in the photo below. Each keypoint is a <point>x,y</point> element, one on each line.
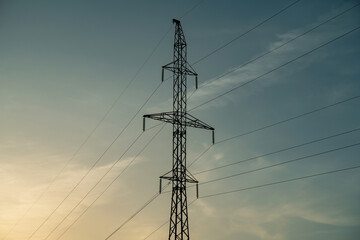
<point>64,64</point>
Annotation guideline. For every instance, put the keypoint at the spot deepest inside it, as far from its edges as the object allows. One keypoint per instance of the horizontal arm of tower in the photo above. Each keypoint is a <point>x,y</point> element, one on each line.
<point>189,180</point>
<point>192,121</point>
<point>164,117</point>
<point>188,70</point>
<point>189,177</point>
<point>171,117</point>
<point>169,66</point>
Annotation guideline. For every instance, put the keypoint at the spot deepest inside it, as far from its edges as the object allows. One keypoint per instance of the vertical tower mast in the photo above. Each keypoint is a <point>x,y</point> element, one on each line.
<point>180,119</point>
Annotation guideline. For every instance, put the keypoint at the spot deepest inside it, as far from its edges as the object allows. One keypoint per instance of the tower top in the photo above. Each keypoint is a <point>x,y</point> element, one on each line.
<point>176,21</point>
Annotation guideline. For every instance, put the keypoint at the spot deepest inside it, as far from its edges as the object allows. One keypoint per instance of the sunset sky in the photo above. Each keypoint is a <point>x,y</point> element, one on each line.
<point>65,70</point>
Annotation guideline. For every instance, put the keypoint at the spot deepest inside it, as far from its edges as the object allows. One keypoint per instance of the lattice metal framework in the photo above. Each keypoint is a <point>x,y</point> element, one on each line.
<point>180,119</point>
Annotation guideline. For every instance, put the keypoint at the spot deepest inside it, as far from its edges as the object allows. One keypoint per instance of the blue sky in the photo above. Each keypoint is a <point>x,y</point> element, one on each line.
<point>63,64</point>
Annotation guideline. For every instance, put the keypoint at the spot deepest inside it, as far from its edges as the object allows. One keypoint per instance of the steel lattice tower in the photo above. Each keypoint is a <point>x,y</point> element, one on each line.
<point>180,119</point>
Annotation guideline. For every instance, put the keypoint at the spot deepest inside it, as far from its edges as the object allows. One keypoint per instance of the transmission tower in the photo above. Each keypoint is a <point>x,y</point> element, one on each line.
<point>180,119</point>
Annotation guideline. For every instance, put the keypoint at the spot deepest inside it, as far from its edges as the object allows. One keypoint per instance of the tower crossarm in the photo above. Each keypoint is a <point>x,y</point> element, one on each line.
<point>164,117</point>
<point>188,69</point>
<point>173,117</point>
<point>192,121</point>
<point>169,66</point>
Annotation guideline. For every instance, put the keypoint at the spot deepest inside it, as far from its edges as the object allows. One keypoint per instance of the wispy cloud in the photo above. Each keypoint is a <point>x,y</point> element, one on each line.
<point>243,73</point>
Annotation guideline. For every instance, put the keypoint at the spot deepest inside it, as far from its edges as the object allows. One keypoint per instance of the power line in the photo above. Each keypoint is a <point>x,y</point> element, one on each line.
<point>274,69</point>
<point>248,31</point>
<point>137,212</point>
<point>274,165</point>
<point>293,118</point>
<point>281,163</point>
<point>277,123</point>
<point>261,186</point>
<point>276,48</point>
<point>278,151</point>
<point>116,178</point>
<point>279,182</point>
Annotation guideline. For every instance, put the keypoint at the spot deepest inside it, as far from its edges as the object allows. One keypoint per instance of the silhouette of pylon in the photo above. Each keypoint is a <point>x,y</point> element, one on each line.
<point>180,119</point>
